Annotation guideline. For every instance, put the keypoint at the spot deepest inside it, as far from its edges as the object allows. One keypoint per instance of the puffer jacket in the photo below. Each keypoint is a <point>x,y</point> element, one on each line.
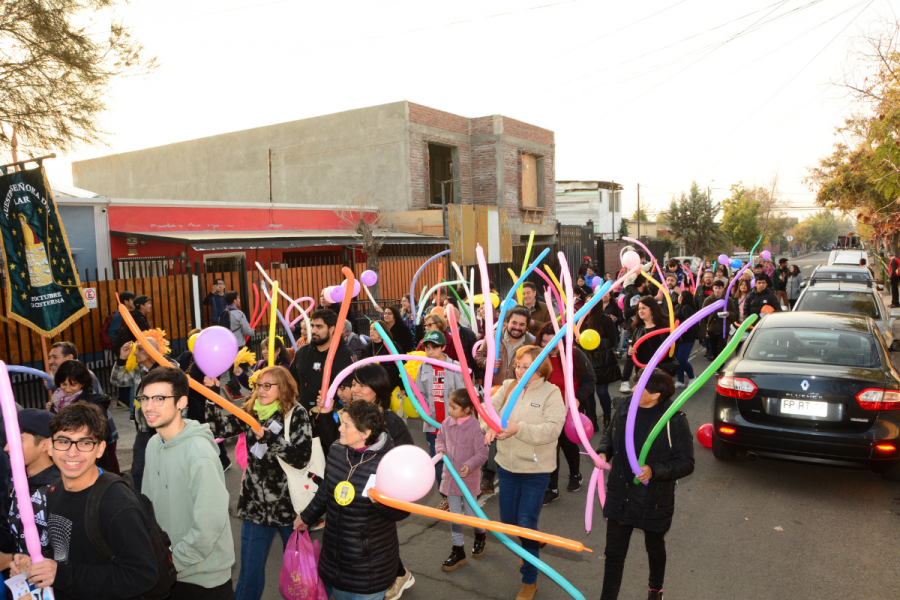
<point>360,550</point>
<point>265,498</point>
<point>649,507</point>
<point>756,301</point>
<point>603,358</point>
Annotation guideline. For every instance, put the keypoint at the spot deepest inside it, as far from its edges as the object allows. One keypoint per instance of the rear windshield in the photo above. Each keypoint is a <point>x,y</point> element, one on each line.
<point>848,303</point>
<point>842,275</point>
<point>815,346</point>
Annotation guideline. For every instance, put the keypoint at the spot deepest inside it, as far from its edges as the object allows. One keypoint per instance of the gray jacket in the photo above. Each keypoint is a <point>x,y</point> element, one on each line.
<point>240,327</point>
<point>425,382</point>
<point>793,286</point>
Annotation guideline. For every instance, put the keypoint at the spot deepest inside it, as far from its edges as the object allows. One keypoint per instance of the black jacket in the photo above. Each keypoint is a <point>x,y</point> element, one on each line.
<point>325,427</point>
<point>360,550</point>
<point>402,338</point>
<point>649,507</point>
<point>380,349</point>
<point>714,321</point>
<point>308,366</point>
<point>755,302</point>
<point>683,312</point>
<point>703,292</point>
<point>124,335</point>
<point>603,357</point>
<point>630,292</point>
<point>587,379</point>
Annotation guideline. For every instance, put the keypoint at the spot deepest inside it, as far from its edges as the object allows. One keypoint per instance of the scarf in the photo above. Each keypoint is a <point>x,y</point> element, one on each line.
<point>265,411</point>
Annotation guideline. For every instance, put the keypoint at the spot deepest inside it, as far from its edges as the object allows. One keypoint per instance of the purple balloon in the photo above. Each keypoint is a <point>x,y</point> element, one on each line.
<point>723,259</point>
<point>369,278</point>
<point>356,288</point>
<point>572,433</point>
<point>215,349</point>
<point>337,293</point>
<point>766,255</point>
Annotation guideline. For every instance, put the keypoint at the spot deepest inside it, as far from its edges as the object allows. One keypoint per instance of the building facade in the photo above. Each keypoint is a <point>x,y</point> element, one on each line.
<point>578,202</point>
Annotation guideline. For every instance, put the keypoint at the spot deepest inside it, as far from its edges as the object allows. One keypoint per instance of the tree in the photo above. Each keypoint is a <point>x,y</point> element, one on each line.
<point>640,216</point>
<point>821,228</point>
<point>56,71</point>
<point>740,219</point>
<point>692,218</point>
<point>365,226</point>
<point>623,228</point>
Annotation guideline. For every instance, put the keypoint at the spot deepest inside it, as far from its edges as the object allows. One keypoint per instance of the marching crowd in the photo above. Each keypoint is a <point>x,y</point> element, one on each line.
<point>164,530</point>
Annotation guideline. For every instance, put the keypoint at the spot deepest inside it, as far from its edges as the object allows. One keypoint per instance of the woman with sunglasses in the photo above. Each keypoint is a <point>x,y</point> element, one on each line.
<point>264,503</point>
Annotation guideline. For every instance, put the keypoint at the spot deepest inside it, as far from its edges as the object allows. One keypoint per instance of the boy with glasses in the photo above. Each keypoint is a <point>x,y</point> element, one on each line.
<point>184,480</point>
<point>75,567</point>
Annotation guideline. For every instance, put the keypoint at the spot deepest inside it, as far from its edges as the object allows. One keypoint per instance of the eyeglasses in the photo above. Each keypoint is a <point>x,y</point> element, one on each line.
<point>266,385</point>
<point>522,367</point>
<point>152,400</point>
<point>63,444</point>
<point>430,324</point>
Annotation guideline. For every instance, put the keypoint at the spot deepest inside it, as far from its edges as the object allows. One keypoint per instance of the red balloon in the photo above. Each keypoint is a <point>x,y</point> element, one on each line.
<point>704,435</point>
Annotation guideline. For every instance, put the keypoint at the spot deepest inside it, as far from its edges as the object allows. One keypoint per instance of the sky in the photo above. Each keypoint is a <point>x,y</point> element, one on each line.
<point>658,93</point>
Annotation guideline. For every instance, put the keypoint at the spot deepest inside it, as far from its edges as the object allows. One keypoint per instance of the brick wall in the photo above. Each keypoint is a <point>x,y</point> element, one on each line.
<point>438,118</point>
<point>484,173</point>
<point>419,167</point>
<point>527,132</point>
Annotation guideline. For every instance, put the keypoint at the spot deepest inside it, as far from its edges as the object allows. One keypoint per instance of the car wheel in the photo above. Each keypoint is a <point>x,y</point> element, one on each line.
<point>719,451</point>
<point>892,474</point>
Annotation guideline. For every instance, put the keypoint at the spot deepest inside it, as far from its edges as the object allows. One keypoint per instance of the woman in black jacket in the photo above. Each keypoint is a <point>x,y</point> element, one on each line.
<point>684,310</point>
<point>360,550</point>
<point>603,358</point>
<point>400,332</point>
<point>647,319</point>
<point>377,347</point>
<point>648,507</point>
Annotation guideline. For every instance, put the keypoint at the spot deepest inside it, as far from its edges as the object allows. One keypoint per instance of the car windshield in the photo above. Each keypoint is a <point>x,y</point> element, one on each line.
<point>842,275</point>
<point>838,301</point>
<point>815,346</point>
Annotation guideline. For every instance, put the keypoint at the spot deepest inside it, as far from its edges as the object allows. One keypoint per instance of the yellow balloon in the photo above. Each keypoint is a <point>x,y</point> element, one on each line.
<point>395,399</point>
<point>409,408</point>
<point>191,341</point>
<point>590,339</point>
<point>479,299</point>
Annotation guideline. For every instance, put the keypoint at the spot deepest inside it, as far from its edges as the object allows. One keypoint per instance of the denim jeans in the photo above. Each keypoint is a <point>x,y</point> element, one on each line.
<point>682,354</point>
<point>521,499</point>
<point>255,543</point>
<point>339,595</point>
<point>439,467</point>
<point>605,400</point>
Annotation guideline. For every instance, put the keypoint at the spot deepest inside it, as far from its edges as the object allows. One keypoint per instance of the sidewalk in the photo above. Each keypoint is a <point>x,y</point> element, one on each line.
<point>127,433</point>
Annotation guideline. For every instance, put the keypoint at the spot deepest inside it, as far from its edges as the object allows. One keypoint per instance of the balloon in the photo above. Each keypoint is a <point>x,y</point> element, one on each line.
<point>467,379</point>
<point>766,255</point>
<point>723,259</point>
<point>273,323</point>
<point>556,282</point>
<point>505,306</point>
<point>550,287</point>
<point>381,497</point>
<point>438,310</point>
<point>569,428</point>
<point>412,285</point>
<point>589,509</point>
<point>640,341</point>
<point>214,351</point>
<point>662,277</point>
<point>411,411</point>
<point>356,289</point>
<point>369,278</point>
<point>736,263</point>
<point>490,349</point>
<point>754,248</point>
<point>46,376</point>
<point>668,296</point>
<point>509,304</point>
<point>651,365</point>
<point>338,330</point>
<point>516,548</point>
<point>412,391</point>
<point>631,259</point>
<point>337,293</point>
<point>525,264</point>
<point>431,291</point>
<point>190,342</point>
<point>291,304</point>
<point>326,294</point>
<point>194,385</point>
<point>728,295</point>
<point>704,435</point>
<point>767,309</point>
<point>590,339</point>
<point>405,473</point>
<point>621,302</point>
<point>597,287</point>
<point>459,300</point>
<point>17,463</point>
<point>695,385</point>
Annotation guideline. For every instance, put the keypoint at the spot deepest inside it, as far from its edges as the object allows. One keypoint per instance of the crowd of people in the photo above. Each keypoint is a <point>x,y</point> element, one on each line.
<point>108,536</point>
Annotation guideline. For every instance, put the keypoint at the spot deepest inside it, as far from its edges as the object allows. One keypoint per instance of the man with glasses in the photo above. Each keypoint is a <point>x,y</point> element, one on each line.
<point>215,300</point>
<point>75,567</point>
<point>185,482</point>
<point>122,378</point>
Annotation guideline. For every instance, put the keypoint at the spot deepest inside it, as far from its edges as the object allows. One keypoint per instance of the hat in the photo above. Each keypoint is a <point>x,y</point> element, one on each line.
<point>35,421</point>
<point>435,337</point>
<point>140,300</point>
<point>587,258</point>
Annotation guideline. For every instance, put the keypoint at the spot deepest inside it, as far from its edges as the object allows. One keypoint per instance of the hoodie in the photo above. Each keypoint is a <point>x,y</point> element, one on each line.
<point>184,480</point>
<point>12,534</point>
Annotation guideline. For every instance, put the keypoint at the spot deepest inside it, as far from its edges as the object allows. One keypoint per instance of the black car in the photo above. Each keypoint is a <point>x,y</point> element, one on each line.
<point>811,387</point>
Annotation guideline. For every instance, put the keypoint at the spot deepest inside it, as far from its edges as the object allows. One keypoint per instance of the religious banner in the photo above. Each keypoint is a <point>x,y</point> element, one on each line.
<point>42,287</point>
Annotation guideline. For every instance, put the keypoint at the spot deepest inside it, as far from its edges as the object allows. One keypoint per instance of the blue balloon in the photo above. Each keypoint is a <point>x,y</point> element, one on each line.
<point>509,304</point>
<point>736,263</point>
<point>30,371</point>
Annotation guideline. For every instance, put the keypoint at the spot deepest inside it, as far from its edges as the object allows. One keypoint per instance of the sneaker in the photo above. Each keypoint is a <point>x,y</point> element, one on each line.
<point>400,584</point>
<point>227,466</point>
<point>655,595</point>
<point>478,546</point>
<point>457,557</point>
<point>574,483</point>
<point>625,387</point>
<point>443,504</point>
<point>678,384</point>
<point>550,496</point>
<point>487,486</point>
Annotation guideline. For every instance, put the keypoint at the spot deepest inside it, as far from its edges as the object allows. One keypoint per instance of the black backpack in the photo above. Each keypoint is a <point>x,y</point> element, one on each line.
<point>162,545</point>
<point>225,318</point>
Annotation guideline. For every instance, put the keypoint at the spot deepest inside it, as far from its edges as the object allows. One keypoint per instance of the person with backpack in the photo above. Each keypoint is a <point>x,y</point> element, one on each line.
<point>105,543</point>
<point>186,484</point>
<point>234,319</point>
<point>113,323</point>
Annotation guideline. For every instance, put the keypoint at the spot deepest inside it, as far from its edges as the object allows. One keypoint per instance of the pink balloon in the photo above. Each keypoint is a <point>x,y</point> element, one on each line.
<point>405,473</point>
<point>622,302</point>
<point>631,259</point>
<point>572,434</point>
<point>17,462</point>
<point>356,288</point>
<point>766,255</point>
<point>215,349</point>
<point>589,509</point>
<point>337,293</point>
<point>723,259</point>
<point>369,278</point>
<point>326,293</point>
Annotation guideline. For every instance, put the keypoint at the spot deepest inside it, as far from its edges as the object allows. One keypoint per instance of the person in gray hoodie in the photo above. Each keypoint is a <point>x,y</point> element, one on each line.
<point>185,481</point>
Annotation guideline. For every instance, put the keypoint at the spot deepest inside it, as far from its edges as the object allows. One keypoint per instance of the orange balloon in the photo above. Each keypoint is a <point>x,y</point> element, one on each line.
<point>427,511</point>
<point>438,310</point>
<point>203,390</point>
<point>767,309</point>
<point>495,388</point>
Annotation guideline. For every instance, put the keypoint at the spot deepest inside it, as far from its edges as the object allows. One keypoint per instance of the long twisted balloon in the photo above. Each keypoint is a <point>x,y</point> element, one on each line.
<point>412,285</point>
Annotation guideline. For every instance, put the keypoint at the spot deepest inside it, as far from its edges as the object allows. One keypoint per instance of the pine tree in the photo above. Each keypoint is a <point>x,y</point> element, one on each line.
<point>692,218</point>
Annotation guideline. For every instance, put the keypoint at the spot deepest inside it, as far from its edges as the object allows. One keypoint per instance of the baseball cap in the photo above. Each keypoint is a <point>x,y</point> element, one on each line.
<point>435,337</point>
<point>35,421</point>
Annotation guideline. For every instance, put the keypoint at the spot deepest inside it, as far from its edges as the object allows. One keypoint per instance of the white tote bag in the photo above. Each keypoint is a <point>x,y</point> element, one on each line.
<point>301,486</point>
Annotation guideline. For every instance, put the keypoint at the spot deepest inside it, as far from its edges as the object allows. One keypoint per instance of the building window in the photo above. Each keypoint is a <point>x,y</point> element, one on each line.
<point>615,201</point>
<point>532,193</point>
<point>440,173</point>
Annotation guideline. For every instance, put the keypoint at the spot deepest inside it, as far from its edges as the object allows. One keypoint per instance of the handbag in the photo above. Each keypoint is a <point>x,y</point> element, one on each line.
<point>300,484</point>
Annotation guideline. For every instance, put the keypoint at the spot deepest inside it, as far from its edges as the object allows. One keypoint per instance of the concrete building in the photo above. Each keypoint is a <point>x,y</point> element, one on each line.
<point>403,158</point>
<point>578,202</point>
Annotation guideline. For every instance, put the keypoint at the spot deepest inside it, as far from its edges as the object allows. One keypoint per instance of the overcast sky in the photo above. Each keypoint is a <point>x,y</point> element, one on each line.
<point>658,92</point>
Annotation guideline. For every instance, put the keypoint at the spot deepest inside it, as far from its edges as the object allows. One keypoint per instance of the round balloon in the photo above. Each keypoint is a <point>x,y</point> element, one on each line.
<point>765,255</point>
<point>356,288</point>
<point>622,302</point>
<point>190,342</point>
<point>704,435</point>
<point>590,339</point>
<point>767,309</point>
<point>215,350</point>
<point>369,278</point>
<point>510,304</point>
<point>405,473</point>
<point>337,293</point>
<point>572,433</point>
<point>736,264</point>
<point>723,259</point>
<point>410,408</point>
<point>438,310</point>
<point>631,259</point>
<point>326,293</point>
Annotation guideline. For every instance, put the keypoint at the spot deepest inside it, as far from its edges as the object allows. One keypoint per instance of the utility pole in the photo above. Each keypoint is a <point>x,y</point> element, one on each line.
<point>639,213</point>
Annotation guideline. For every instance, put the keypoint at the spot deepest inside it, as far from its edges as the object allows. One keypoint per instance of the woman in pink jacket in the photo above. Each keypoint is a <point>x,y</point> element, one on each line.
<point>461,439</point>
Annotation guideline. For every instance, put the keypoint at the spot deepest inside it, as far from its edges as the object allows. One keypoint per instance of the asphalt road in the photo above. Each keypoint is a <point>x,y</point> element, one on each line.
<point>745,529</point>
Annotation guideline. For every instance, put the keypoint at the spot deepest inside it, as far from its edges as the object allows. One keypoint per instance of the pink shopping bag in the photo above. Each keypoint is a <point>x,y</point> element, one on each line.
<point>240,452</point>
<point>299,571</point>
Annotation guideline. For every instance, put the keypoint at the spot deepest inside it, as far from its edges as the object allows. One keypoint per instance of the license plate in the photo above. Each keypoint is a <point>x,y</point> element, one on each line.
<point>804,407</point>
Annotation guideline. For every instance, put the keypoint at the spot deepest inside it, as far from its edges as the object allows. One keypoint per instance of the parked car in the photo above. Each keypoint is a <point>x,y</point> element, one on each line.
<point>846,257</point>
<point>811,387</point>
